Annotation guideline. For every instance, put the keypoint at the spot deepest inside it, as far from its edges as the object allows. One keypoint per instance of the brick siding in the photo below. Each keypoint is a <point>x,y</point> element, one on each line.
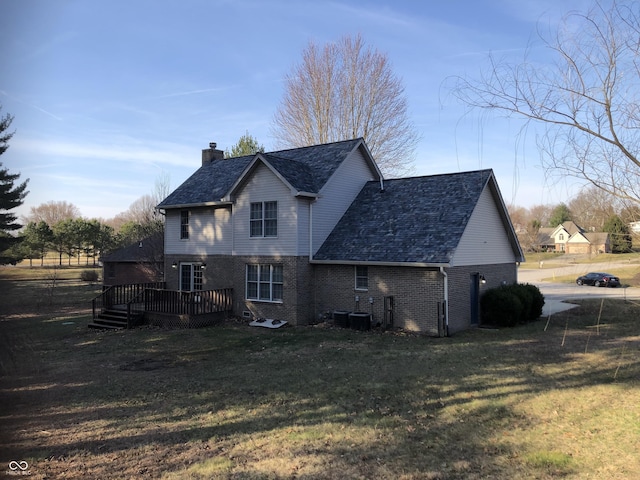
<point>312,292</point>
<point>416,291</point>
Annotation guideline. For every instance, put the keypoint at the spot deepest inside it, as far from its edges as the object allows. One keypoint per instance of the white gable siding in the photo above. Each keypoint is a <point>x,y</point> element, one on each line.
<point>578,238</point>
<point>264,186</point>
<point>209,232</point>
<point>337,195</point>
<point>303,209</point>
<point>485,239</point>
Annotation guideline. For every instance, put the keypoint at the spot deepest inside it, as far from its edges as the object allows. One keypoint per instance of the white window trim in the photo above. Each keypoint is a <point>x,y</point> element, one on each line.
<point>195,267</point>
<point>356,277</point>
<point>188,224</point>
<point>259,282</point>
<point>263,219</point>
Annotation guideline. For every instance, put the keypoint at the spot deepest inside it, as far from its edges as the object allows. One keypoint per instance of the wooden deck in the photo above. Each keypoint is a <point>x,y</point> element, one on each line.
<point>127,306</point>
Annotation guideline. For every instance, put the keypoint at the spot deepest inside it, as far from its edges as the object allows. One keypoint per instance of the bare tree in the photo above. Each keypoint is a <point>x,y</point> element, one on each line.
<point>52,213</point>
<point>587,101</point>
<point>347,90</point>
<point>592,207</point>
<point>527,223</point>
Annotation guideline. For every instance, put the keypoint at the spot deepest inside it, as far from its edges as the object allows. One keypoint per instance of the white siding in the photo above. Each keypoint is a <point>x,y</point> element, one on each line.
<point>485,239</point>
<point>209,232</point>
<point>304,207</point>
<point>264,186</point>
<point>337,195</point>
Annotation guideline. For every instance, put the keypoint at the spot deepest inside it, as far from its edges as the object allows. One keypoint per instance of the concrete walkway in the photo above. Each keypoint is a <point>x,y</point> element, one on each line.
<point>558,295</point>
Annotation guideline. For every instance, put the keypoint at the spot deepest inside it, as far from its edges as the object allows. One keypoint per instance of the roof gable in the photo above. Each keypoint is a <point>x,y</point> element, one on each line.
<point>569,227</point>
<point>305,170</point>
<point>416,220</point>
<point>209,184</point>
<point>578,238</point>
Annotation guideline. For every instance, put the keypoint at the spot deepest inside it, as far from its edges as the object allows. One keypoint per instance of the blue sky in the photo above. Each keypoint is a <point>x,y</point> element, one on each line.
<point>109,96</point>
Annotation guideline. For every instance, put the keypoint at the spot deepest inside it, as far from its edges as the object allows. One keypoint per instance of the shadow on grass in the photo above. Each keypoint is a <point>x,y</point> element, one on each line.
<point>336,403</point>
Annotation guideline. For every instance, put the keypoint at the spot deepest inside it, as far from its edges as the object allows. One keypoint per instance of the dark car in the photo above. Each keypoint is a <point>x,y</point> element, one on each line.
<point>599,280</point>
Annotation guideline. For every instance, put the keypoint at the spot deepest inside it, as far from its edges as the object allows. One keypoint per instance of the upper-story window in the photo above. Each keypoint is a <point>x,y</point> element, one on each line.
<point>184,224</point>
<point>561,237</point>
<point>263,220</point>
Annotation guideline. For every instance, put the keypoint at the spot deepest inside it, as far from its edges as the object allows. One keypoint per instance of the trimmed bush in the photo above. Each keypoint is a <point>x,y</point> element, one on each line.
<point>537,302</point>
<point>500,307</point>
<point>509,305</point>
<point>89,276</point>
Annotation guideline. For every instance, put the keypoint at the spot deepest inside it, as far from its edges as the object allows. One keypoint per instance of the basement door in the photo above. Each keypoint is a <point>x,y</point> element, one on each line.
<point>474,298</point>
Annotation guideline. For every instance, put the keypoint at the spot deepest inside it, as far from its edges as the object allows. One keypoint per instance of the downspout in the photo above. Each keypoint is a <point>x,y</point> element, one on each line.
<point>311,230</point>
<point>446,300</point>
<point>313,270</point>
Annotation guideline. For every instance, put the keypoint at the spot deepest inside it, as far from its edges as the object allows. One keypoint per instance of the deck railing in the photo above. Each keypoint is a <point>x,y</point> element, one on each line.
<point>115,295</point>
<point>188,303</point>
<point>153,297</point>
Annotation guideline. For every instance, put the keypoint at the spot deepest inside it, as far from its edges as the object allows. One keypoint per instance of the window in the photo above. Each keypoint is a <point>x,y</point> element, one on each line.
<point>190,277</point>
<point>265,282</point>
<point>561,237</point>
<point>263,219</point>
<point>362,278</point>
<point>184,224</point>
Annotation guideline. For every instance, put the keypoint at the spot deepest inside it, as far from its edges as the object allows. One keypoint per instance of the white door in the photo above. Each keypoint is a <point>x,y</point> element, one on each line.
<point>190,277</point>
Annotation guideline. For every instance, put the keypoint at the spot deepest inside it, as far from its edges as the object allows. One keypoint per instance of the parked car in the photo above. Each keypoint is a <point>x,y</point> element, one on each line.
<point>599,280</point>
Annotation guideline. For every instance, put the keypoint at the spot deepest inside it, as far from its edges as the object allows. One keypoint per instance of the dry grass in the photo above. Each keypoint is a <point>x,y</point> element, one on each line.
<point>554,399</point>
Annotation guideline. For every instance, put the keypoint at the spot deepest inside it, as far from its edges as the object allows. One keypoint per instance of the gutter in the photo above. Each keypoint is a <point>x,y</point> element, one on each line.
<point>382,264</point>
<point>196,205</point>
<point>310,232</point>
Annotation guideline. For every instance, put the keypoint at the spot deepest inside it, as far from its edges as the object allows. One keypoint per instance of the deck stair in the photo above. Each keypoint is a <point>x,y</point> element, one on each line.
<point>112,319</point>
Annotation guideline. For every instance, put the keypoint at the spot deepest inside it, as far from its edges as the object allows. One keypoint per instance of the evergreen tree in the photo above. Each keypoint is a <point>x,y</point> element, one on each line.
<point>36,240</point>
<point>11,195</point>
<point>619,235</point>
<point>247,145</point>
<point>560,215</point>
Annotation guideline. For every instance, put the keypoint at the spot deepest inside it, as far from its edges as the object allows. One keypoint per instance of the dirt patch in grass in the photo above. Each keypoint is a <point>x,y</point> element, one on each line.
<point>554,399</point>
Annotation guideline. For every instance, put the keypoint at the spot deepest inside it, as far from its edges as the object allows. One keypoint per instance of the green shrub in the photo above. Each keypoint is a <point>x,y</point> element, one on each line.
<point>501,307</point>
<point>509,305</point>
<point>89,276</point>
<point>525,297</point>
<point>537,302</point>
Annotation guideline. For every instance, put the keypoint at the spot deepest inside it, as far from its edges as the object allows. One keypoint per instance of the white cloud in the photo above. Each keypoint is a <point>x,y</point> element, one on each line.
<point>163,153</point>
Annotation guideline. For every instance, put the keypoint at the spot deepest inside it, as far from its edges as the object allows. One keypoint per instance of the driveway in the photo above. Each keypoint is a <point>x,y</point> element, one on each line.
<point>557,295</point>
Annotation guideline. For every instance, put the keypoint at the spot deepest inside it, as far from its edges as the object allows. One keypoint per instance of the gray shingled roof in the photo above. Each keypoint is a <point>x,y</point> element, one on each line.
<point>307,169</point>
<point>141,251</point>
<point>414,220</point>
<point>209,183</point>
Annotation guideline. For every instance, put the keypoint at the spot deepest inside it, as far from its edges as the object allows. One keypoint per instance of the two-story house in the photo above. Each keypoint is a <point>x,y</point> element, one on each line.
<point>570,238</point>
<point>304,232</point>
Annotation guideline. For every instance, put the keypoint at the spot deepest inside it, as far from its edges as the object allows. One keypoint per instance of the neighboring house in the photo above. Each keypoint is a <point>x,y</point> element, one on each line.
<point>141,262</point>
<point>301,233</point>
<point>545,242</point>
<point>591,243</point>
<point>572,239</point>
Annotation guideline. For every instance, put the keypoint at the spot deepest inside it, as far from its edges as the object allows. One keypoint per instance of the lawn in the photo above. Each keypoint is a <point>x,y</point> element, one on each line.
<point>554,399</point>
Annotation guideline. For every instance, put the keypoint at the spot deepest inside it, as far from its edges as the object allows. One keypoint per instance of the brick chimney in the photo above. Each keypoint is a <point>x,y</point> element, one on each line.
<point>211,153</point>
